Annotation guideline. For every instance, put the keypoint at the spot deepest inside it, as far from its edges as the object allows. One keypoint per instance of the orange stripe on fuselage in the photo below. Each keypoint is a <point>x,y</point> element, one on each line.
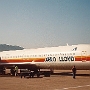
<point>80,58</point>
<point>23,60</point>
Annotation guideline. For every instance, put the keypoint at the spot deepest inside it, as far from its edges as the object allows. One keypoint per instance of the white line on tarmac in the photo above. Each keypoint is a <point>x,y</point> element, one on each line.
<point>73,87</point>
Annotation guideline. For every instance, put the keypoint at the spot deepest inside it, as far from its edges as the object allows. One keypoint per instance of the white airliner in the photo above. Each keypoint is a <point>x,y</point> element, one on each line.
<point>62,57</point>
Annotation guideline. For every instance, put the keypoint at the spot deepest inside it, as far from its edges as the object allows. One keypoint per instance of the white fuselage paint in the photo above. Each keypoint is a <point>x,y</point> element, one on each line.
<point>62,57</point>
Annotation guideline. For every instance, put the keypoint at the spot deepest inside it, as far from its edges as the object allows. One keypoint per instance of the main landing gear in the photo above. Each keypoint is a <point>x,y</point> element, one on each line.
<point>29,73</point>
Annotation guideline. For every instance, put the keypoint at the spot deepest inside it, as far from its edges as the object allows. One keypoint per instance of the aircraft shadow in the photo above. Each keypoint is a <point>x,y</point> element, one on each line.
<point>8,75</point>
<point>54,74</point>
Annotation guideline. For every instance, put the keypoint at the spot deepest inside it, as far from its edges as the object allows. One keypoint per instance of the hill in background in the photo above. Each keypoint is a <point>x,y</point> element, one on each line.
<point>5,47</point>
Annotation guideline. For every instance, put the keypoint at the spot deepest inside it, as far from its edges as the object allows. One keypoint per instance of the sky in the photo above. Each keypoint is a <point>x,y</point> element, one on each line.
<point>44,23</point>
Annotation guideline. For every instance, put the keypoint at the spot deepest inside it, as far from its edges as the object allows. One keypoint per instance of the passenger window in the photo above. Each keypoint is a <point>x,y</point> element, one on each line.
<point>73,53</point>
<point>70,53</point>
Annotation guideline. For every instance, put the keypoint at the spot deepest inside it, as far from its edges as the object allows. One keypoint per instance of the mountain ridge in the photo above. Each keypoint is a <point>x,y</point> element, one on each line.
<point>5,47</point>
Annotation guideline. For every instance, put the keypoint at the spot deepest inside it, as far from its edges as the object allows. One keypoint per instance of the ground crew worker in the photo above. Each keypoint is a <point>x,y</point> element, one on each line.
<point>74,71</point>
<point>16,70</point>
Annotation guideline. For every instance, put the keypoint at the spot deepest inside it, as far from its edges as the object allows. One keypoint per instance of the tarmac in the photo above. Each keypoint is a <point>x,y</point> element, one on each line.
<point>60,80</point>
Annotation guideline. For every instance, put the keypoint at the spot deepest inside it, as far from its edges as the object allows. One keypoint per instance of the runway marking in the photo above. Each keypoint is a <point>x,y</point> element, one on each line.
<point>73,87</point>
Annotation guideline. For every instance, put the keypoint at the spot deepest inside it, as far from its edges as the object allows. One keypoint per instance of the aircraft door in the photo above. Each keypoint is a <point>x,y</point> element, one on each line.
<point>84,55</point>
